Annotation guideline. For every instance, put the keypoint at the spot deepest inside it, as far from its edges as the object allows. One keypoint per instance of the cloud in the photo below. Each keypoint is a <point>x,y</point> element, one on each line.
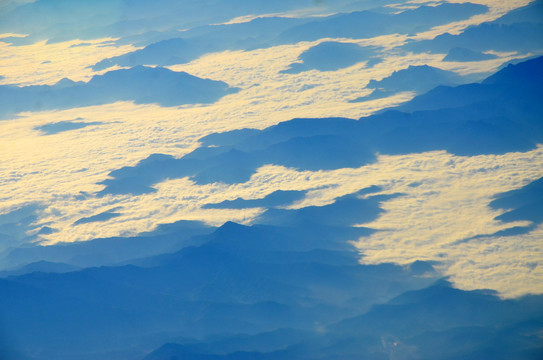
<point>330,56</point>
<point>74,162</point>
<point>141,84</point>
<point>419,79</point>
<point>496,9</point>
<point>415,226</point>
<point>275,199</point>
<point>24,65</point>
<point>366,24</point>
<point>132,132</point>
<point>421,224</point>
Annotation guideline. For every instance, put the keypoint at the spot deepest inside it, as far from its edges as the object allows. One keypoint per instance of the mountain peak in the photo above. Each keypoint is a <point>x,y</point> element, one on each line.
<point>230,228</point>
<point>524,73</point>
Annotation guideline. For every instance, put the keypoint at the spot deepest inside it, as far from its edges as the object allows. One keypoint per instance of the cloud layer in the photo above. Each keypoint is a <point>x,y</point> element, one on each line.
<point>32,164</point>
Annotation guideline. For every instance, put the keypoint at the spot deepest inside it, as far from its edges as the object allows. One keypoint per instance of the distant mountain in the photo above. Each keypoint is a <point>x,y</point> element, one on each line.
<point>275,199</point>
<point>158,85</point>
<point>40,266</point>
<point>163,53</point>
<point>409,324</point>
<point>533,12</point>
<point>56,21</point>
<point>365,24</point>
<point>463,54</point>
<point>291,285</point>
<point>485,118</point>
<point>16,225</point>
<point>437,322</point>
<point>262,32</point>
<point>519,30</point>
<point>139,84</point>
<point>205,39</point>
<point>108,251</point>
<point>518,81</point>
<point>174,351</point>
<point>61,126</point>
<point>522,37</point>
<point>240,280</point>
<point>526,195</point>
<point>415,78</point>
<point>345,212</point>
<point>103,216</point>
<point>524,204</point>
<point>331,55</point>
<point>236,164</point>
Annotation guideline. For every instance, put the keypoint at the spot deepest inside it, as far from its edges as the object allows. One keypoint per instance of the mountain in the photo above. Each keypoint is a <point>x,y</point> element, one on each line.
<point>298,279</point>
<point>107,251</point>
<point>437,322</point>
<point>524,37</point>
<point>262,32</point>
<point>502,89</point>
<point>533,12</point>
<point>524,204</point>
<point>61,126</point>
<point>463,54</point>
<point>40,266</point>
<point>275,199</point>
<point>139,84</point>
<point>205,39</point>
<point>527,194</point>
<point>413,320</point>
<point>16,225</point>
<point>239,280</point>
<point>234,164</point>
<point>163,53</point>
<point>419,79</point>
<point>519,30</point>
<point>499,115</point>
<point>346,211</point>
<point>103,216</point>
<point>62,20</point>
<point>332,55</point>
<point>365,24</point>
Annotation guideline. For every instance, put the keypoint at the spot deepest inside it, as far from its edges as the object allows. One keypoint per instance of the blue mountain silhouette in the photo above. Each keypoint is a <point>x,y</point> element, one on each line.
<point>484,118</point>
<point>262,32</point>
<point>139,84</point>
<point>419,79</point>
<point>241,279</point>
<point>365,24</point>
<point>463,54</point>
<point>331,55</point>
<point>522,37</point>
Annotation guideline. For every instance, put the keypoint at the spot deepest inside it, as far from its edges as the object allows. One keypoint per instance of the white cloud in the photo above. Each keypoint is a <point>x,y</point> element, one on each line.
<point>451,204</point>
<point>496,8</point>
<point>425,223</point>
<point>42,63</point>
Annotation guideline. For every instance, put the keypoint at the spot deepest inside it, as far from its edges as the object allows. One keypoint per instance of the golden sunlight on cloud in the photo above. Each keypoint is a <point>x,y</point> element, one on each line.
<point>268,93</point>
<point>62,171</point>
<point>449,204</point>
<point>429,221</point>
<point>127,132</point>
<point>485,66</point>
<point>42,63</point>
<point>496,8</point>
